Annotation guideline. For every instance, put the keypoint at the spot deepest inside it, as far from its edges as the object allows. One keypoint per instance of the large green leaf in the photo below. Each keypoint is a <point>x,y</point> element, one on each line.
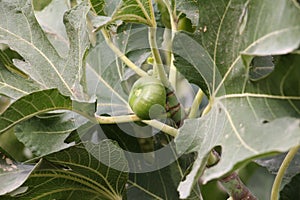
<point>20,30</point>
<point>38,103</point>
<point>47,133</point>
<point>246,115</point>
<point>12,174</point>
<point>33,104</point>
<point>75,174</point>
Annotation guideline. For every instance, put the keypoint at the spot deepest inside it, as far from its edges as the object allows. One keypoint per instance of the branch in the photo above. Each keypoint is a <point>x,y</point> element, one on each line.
<point>231,183</point>
<point>235,187</point>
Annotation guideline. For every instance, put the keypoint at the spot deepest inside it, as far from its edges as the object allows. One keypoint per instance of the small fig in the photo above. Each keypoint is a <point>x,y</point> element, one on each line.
<point>147,98</point>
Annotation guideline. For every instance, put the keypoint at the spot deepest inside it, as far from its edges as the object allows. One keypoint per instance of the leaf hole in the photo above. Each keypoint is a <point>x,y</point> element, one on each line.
<point>265,121</point>
<point>261,67</point>
<point>215,156</point>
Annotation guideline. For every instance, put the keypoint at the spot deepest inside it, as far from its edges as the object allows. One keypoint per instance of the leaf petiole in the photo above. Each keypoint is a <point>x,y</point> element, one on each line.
<point>207,108</point>
<point>284,165</point>
<point>121,55</point>
<point>158,67</point>
<point>196,103</point>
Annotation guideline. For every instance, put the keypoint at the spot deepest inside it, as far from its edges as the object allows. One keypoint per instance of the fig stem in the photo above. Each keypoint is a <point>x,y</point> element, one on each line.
<point>283,167</point>
<point>132,118</point>
<point>116,119</point>
<point>162,126</point>
<point>207,108</point>
<point>171,14</point>
<point>196,103</point>
<point>121,55</point>
<point>158,67</point>
<point>171,33</point>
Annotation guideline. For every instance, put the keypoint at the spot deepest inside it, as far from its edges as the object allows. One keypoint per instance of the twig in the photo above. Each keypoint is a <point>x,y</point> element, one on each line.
<point>232,183</point>
<point>235,188</point>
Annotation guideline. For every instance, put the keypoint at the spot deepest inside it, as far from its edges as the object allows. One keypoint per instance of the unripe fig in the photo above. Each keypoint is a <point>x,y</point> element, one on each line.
<point>147,98</point>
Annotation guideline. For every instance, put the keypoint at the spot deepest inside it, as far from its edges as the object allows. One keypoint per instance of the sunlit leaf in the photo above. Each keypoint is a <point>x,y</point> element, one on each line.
<point>245,115</point>
<point>20,30</point>
<point>52,23</point>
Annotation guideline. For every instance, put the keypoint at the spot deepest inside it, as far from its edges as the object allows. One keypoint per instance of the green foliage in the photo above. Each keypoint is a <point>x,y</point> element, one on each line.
<point>74,173</point>
<point>66,71</point>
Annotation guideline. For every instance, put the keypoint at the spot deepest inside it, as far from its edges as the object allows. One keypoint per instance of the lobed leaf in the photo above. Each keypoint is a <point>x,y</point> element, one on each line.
<point>31,105</point>
<point>245,114</point>
<point>20,30</point>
